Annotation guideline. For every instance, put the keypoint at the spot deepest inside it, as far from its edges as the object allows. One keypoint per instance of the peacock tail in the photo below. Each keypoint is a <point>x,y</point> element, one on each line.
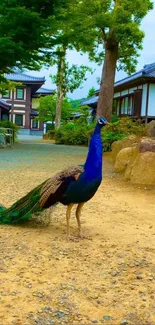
<point>22,209</point>
<point>36,200</point>
<point>74,185</point>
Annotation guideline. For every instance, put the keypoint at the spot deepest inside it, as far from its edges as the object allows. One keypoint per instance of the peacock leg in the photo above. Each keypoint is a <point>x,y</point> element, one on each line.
<point>68,214</point>
<point>78,214</point>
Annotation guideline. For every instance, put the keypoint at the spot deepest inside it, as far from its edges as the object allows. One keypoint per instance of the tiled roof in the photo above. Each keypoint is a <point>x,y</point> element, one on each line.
<point>89,101</point>
<point>43,90</point>
<point>34,112</point>
<point>4,104</point>
<point>148,71</point>
<point>23,77</point>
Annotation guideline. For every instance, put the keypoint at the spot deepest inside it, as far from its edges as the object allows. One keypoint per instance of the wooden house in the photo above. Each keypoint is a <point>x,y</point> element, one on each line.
<point>133,96</point>
<point>17,105</point>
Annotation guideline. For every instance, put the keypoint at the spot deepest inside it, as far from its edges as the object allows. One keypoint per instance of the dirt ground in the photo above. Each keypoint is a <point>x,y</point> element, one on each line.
<point>46,280</point>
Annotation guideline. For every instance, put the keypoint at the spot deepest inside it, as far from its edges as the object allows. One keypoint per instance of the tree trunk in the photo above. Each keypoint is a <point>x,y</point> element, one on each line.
<point>60,86</point>
<point>105,102</point>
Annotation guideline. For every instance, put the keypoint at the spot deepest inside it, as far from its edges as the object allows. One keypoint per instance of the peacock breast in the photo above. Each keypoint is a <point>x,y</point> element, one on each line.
<point>81,191</point>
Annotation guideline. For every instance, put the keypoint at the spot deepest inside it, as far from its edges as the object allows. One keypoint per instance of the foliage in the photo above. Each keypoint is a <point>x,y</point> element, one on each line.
<point>68,78</point>
<point>120,129</point>
<point>108,21</point>
<point>10,125</point>
<point>72,78</point>
<point>110,31</point>
<point>24,39</point>
<point>6,85</point>
<point>47,108</point>
<point>91,92</point>
<point>79,133</point>
<point>76,102</point>
<point>72,134</point>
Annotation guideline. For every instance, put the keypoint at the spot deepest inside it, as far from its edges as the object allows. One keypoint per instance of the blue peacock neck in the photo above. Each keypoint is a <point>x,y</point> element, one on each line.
<point>93,164</point>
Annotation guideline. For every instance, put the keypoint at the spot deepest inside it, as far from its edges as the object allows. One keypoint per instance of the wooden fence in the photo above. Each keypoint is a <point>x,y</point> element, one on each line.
<point>6,137</point>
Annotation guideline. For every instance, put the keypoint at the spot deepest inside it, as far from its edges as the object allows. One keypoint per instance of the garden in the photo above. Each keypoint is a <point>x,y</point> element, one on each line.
<point>46,280</point>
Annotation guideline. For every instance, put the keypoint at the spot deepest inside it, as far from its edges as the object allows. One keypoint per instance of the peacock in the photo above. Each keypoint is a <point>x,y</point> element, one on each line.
<point>74,185</point>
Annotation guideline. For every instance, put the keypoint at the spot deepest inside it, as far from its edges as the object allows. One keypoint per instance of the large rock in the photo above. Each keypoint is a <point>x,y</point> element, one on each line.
<point>143,170</point>
<point>130,141</point>
<point>125,158</point>
<point>147,144</point>
<point>151,129</point>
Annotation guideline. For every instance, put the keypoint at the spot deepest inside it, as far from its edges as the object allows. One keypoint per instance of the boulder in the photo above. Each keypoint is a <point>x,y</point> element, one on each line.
<point>127,174</point>
<point>151,129</point>
<point>125,158</point>
<point>143,170</point>
<point>130,141</point>
<point>147,144</point>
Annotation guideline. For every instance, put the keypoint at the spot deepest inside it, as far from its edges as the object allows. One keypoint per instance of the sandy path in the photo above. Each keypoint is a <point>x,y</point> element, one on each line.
<point>107,280</point>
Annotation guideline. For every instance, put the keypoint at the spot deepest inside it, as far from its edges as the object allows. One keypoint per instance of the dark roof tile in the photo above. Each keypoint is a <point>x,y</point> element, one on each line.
<point>23,77</point>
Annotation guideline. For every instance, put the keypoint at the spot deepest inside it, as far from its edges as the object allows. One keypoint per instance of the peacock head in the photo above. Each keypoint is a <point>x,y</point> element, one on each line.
<point>102,122</point>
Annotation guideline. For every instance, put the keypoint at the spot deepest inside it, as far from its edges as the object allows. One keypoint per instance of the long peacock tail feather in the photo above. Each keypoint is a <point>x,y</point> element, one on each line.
<point>23,208</point>
<point>37,199</point>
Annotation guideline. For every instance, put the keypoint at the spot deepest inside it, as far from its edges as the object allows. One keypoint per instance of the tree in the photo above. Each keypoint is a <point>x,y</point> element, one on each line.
<point>114,27</point>
<point>24,41</point>
<point>91,92</point>
<point>47,108</point>
<point>67,79</point>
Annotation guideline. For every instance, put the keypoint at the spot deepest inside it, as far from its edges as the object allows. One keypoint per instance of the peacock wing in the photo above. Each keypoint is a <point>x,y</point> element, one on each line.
<point>54,183</point>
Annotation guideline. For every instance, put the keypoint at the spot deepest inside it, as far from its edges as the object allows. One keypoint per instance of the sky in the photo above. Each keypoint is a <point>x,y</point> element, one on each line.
<point>147,56</point>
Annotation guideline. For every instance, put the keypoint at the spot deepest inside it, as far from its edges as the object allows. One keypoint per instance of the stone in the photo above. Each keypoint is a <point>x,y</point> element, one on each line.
<point>125,158</point>
<point>60,315</point>
<point>143,170</point>
<point>117,146</point>
<point>124,322</point>
<point>114,273</point>
<point>151,129</point>
<point>107,317</point>
<point>147,144</point>
<point>128,170</point>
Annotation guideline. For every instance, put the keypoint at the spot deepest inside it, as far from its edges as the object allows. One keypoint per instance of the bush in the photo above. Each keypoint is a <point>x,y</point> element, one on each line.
<point>10,125</point>
<point>79,133</point>
<point>72,134</point>
<point>120,129</point>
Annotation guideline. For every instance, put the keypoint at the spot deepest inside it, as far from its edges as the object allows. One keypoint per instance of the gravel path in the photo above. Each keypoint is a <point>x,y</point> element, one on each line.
<point>45,280</point>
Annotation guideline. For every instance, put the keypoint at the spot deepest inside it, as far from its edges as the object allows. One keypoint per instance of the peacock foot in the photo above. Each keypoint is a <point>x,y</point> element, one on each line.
<point>82,236</point>
<point>73,239</point>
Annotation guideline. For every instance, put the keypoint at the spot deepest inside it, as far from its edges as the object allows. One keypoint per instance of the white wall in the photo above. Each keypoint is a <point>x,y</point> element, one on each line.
<point>117,95</point>
<point>144,97</point>
<point>126,92</point>
<point>131,90</point>
<point>151,104</point>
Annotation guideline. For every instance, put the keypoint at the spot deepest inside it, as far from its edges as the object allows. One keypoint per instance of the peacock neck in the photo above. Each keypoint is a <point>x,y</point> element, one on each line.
<point>93,165</point>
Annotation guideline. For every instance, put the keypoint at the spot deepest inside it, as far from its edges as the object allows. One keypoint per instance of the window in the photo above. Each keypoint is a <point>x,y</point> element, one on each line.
<point>130,108</point>
<point>19,93</point>
<point>5,117</point>
<point>122,106</point>
<point>19,119</point>
<point>126,105</point>
<point>35,124</point>
<point>7,94</point>
<point>118,107</point>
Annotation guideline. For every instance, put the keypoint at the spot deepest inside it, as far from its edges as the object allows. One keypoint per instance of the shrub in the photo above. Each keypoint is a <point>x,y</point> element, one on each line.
<point>72,134</point>
<point>79,133</point>
<point>11,125</point>
<point>120,129</point>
